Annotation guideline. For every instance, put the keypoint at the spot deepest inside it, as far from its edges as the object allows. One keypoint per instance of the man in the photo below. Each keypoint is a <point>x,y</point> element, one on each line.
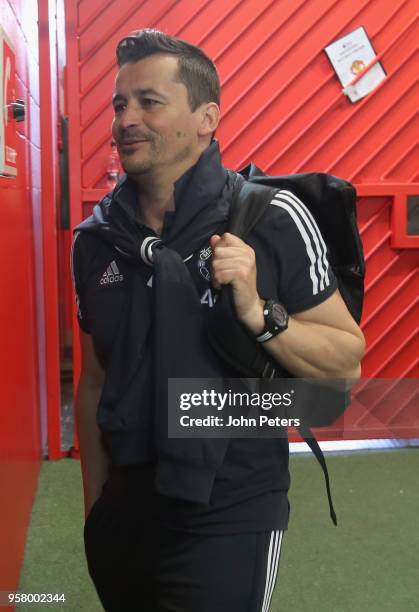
<point>172,526</point>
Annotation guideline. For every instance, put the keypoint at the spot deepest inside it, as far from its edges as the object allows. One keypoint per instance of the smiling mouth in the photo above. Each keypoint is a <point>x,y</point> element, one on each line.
<point>129,144</point>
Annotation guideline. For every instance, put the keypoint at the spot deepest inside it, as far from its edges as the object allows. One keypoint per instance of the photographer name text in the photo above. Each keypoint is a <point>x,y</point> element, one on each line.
<point>242,421</point>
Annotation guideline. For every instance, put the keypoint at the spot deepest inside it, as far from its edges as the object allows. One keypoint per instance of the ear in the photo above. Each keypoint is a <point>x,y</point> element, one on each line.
<point>209,119</point>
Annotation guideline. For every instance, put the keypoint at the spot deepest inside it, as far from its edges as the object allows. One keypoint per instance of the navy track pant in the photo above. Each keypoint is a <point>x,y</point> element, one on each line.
<point>138,566</point>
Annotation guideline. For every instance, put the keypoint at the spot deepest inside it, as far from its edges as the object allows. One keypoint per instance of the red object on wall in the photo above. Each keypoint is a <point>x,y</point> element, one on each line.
<point>283,108</point>
<point>8,153</point>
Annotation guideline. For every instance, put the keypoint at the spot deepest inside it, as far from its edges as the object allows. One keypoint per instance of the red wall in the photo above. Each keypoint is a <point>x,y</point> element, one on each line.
<point>21,305</point>
<point>283,108</point>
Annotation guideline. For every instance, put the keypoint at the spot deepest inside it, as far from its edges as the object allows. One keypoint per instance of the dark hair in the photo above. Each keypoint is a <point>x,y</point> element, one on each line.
<point>196,71</point>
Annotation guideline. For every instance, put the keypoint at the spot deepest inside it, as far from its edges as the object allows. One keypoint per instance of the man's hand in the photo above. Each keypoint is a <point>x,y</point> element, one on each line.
<point>234,262</point>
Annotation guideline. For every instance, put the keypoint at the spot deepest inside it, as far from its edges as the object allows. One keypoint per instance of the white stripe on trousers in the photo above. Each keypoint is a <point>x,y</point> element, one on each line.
<point>272,567</point>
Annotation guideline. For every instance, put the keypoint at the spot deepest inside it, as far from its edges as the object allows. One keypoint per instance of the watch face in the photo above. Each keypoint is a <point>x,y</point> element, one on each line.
<point>279,314</point>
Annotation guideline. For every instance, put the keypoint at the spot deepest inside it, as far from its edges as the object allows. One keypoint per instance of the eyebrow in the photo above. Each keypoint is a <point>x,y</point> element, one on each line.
<point>139,93</point>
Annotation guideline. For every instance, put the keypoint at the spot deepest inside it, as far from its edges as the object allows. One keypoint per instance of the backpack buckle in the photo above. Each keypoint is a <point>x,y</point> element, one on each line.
<point>269,371</point>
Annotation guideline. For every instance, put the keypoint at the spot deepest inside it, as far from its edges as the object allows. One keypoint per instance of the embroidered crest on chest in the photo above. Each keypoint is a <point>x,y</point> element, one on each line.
<point>203,261</point>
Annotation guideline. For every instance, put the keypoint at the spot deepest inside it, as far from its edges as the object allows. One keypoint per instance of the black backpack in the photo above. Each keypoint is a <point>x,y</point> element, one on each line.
<point>332,202</point>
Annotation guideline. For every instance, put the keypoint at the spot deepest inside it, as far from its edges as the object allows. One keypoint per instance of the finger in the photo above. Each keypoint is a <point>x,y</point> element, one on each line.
<point>234,274</point>
<point>224,252</point>
<point>214,240</point>
<point>233,263</point>
<point>228,239</point>
<point>241,268</point>
<point>232,240</point>
<point>225,277</point>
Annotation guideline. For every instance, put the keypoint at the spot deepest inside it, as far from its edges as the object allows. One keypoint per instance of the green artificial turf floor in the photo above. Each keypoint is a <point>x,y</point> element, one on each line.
<point>369,563</point>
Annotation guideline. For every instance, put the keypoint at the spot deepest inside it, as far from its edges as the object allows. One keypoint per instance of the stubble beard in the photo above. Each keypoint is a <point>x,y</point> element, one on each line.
<point>155,159</point>
<point>138,167</point>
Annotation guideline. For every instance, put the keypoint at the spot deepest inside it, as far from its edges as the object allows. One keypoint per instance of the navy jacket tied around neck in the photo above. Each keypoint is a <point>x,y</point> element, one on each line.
<point>169,340</point>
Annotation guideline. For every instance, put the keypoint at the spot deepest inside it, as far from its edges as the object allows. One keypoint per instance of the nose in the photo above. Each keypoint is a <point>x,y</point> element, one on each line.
<point>130,116</point>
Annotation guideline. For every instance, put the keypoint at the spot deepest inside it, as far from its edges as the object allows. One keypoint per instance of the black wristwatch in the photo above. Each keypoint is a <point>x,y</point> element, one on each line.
<point>276,320</point>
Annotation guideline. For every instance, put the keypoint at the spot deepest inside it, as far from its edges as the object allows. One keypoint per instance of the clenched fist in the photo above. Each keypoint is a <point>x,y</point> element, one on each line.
<point>234,262</point>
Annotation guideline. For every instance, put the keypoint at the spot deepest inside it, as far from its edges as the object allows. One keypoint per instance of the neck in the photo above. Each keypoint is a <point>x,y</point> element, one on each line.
<point>154,201</point>
<point>156,193</point>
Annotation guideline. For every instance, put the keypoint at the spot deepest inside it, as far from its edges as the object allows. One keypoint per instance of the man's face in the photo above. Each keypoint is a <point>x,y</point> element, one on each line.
<point>154,127</point>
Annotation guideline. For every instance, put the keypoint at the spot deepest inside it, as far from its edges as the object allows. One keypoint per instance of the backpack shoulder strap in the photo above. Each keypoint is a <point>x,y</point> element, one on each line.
<point>247,207</point>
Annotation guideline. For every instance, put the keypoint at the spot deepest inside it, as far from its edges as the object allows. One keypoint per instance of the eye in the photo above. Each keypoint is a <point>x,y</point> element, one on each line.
<point>149,102</point>
<point>119,107</point>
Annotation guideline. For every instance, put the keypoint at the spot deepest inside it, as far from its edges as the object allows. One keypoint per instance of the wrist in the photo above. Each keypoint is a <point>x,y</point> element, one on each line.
<point>254,320</point>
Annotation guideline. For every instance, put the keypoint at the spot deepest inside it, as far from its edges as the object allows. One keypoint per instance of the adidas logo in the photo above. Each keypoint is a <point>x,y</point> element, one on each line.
<point>111,275</point>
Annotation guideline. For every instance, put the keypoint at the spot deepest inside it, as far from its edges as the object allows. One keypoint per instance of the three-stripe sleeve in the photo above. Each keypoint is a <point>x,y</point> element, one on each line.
<point>310,233</point>
<point>307,278</point>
